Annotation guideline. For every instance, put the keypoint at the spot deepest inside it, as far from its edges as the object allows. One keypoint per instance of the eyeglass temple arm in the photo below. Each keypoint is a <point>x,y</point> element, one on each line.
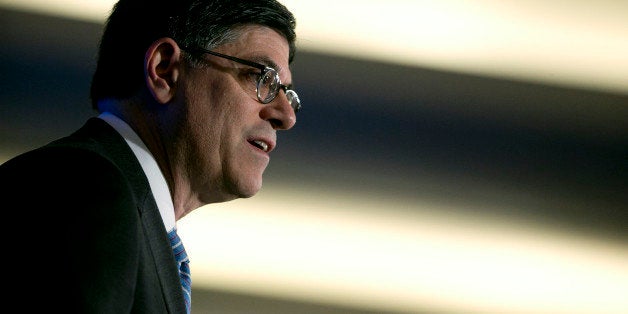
<point>232,58</point>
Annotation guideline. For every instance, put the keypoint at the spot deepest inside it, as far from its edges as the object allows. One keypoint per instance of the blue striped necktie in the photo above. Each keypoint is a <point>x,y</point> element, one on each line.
<point>184,267</point>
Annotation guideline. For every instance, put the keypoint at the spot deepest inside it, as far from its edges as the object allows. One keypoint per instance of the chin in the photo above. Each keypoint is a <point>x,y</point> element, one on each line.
<point>246,188</point>
<point>250,191</point>
<point>231,191</point>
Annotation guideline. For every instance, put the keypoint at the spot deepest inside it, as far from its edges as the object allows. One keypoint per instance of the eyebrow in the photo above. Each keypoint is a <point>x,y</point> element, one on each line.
<point>267,62</point>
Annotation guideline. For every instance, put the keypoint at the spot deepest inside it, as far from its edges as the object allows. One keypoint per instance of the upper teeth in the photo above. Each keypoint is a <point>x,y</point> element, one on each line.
<point>262,145</point>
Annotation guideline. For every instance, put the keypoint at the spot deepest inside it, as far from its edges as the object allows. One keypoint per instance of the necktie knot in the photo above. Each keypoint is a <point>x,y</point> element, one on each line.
<point>184,268</point>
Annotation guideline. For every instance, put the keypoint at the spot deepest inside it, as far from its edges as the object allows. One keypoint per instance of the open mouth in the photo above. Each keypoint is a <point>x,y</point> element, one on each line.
<point>260,144</point>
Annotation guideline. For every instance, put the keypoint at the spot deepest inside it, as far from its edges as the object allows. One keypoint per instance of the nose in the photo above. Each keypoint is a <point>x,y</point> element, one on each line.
<point>279,113</point>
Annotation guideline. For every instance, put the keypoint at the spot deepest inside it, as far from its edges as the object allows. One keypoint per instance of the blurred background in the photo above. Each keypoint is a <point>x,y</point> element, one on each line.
<point>451,157</point>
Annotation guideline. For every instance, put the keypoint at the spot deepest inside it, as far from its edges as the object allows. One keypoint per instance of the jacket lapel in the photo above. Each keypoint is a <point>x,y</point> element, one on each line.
<point>153,227</point>
<point>162,255</point>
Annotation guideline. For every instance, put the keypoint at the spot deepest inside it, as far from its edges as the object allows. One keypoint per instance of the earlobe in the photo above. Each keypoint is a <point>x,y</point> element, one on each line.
<point>161,68</point>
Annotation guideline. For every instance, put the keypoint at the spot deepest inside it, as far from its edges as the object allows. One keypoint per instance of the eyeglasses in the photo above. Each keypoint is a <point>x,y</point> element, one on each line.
<point>268,83</point>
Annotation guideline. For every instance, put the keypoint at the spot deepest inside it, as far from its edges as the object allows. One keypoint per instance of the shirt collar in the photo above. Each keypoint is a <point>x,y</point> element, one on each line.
<point>156,179</point>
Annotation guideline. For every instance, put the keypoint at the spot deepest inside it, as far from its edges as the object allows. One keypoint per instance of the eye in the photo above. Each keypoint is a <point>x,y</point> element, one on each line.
<point>252,76</point>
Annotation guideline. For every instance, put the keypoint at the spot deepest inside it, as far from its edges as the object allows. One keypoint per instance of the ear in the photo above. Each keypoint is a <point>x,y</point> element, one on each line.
<point>161,68</point>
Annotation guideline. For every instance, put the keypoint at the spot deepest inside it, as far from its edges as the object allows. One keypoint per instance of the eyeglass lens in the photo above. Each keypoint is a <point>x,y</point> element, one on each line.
<point>268,87</point>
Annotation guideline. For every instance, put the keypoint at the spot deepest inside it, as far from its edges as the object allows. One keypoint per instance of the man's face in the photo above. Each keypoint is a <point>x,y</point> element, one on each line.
<point>227,134</point>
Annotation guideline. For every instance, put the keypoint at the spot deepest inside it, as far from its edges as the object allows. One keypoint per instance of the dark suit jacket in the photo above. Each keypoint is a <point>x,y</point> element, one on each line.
<point>87,234</point>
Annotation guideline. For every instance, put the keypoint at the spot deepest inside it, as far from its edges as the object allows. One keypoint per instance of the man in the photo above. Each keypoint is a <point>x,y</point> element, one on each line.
<point>190,96</point>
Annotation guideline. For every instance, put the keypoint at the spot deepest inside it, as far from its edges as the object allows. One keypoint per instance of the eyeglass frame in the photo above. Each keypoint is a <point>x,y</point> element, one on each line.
<point>264,69</point>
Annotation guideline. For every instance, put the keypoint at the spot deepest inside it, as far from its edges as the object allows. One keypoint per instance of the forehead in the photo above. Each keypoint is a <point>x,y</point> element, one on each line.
<point>260,44</point>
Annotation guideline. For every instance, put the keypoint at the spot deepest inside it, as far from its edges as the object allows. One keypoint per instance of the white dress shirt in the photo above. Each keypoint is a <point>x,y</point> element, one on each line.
<point>156,179</point>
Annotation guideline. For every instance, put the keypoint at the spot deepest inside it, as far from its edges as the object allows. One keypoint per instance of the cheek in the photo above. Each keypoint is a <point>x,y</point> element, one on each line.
<point>219,119</point>
<point>242,166</point>
<point>201,134</point>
